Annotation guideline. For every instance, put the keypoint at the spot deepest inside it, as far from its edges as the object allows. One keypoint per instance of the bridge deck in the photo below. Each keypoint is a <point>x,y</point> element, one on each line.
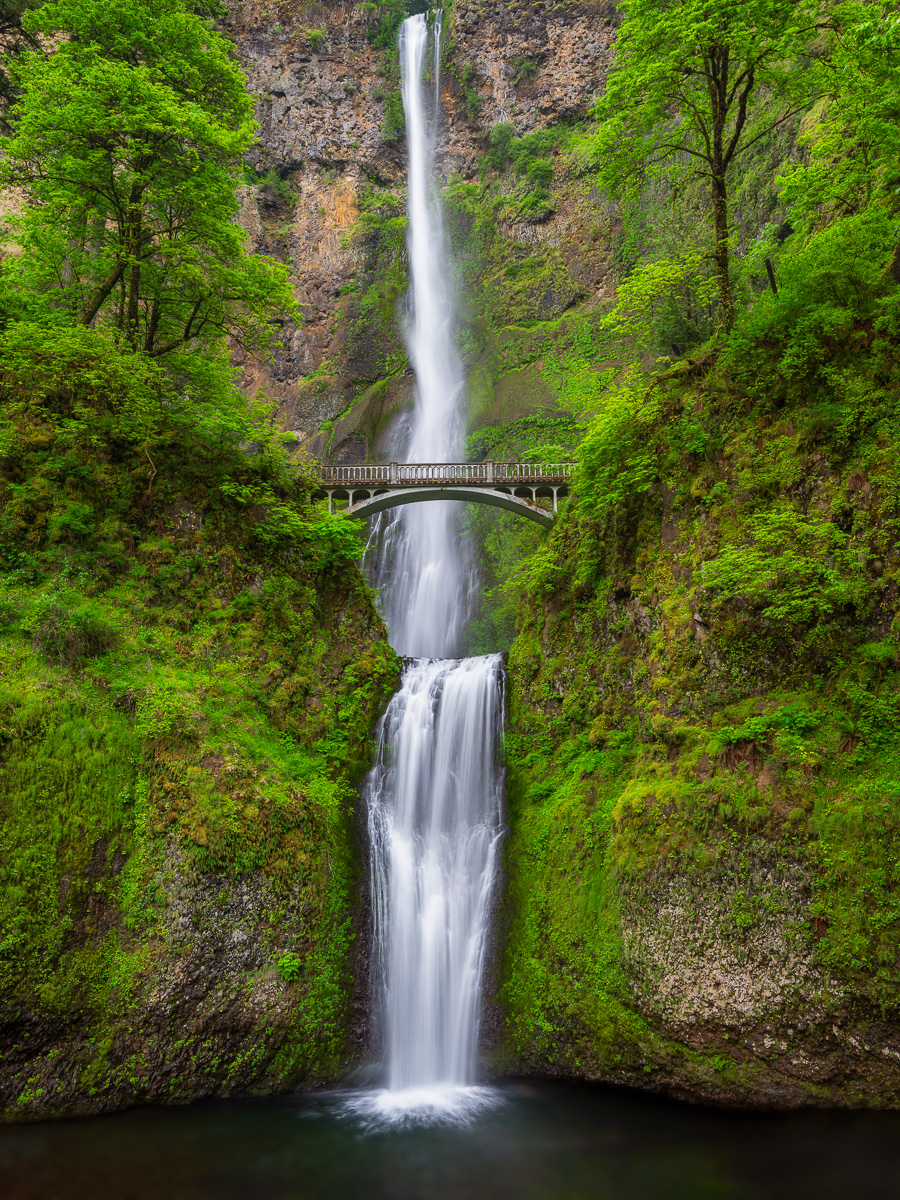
<point>487,474</point>
<point>517,487</point>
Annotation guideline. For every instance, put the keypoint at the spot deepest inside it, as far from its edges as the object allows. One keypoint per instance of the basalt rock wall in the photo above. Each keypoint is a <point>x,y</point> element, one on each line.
<point>331,138</point>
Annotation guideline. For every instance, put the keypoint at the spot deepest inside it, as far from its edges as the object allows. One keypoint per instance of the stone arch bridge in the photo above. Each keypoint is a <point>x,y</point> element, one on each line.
<point>517,487</point>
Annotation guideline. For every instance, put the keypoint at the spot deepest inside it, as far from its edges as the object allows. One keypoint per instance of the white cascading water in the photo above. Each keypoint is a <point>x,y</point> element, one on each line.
<point>435,794</point>
<point>417,557</point>
<point>434,821</point>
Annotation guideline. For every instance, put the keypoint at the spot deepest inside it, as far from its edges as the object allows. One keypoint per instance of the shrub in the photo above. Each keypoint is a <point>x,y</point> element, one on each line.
<point>165,713</point>
<point>290,966</point>
<point>528,157</point>
<point>385,18</point>
<point>68,636</point>
<point>467,77</point>
<point>276,190</point>
<point>794,571</point>
<point>524,70</point>
<point>394,117</point>
<point>827,287</point>
<point>618,457</point>
<point>501,139</point>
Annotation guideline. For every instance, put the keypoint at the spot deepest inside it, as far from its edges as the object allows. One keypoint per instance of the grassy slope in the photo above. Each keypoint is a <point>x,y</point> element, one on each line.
<point>190,667</point>
<point>705,718</point>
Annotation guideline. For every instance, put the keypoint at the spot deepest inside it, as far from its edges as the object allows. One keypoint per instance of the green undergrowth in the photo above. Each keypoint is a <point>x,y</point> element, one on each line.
<point>375,340</point>
<point>707,664</point>
<point>528,162</point>
<point>515,278</point>
<point>190,667</point>
<point>565,990</point>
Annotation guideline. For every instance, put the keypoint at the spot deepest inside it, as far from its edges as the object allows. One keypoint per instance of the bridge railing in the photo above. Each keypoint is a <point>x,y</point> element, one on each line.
<point>459,473</point>
<point>512,472</point>
<point>380,473</point>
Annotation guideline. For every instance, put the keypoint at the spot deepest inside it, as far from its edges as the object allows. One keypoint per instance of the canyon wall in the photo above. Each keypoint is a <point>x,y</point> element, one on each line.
<point>331,131</point>
<point>700,870</point>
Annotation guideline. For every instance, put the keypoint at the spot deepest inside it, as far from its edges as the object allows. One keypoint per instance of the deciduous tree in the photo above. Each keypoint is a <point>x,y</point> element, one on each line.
<point>696,83</point>
<point>129,139</point>
<point>13,40</point>
<point>853,148</point>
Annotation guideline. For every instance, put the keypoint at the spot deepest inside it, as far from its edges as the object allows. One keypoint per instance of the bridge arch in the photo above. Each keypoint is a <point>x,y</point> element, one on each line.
<point>370,488</point>
<point>362,505</point>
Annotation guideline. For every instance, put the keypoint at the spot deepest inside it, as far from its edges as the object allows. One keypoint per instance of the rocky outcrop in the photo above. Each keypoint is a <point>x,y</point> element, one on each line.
<point>533,64</point>
<point>727,967</point>
<point>208,1014</point>
<point>703,820</point>
<point>328,107</point>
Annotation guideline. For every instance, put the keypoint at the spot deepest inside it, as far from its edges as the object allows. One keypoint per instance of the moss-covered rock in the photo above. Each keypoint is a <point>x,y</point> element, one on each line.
<point>704,753</point>
<point>190,668</point>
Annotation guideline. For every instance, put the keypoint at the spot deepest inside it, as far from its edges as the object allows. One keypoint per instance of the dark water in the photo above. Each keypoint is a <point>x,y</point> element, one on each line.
<point>539,1142</point>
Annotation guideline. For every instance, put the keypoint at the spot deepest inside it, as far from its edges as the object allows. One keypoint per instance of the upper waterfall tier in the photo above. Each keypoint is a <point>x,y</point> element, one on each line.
<point>417,557</point>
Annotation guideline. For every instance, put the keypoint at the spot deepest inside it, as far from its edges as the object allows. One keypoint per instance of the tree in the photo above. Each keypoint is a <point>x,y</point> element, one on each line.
<point>696,84</point>
<point>129,140</point>
<point>854,147</point>
<point>13,40</point>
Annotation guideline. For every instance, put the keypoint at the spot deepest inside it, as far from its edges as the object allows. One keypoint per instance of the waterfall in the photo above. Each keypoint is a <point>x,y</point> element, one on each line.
<point>435,794</point>
<point>416,556</point>
<point>434,802</point>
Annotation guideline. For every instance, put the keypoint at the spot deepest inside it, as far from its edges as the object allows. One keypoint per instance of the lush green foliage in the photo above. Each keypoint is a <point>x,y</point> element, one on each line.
<point>128,139</point>
<point>15,39</point>
<point>696,85</point>
<point>704,678</point>
<point>853,147</point>
<point>836,295</point>
<point>190,670</point>
<point>616,458</point>
<point>527,157</point>
<point>565,986</point>
<point>385,18</point>
<point>706,665</point>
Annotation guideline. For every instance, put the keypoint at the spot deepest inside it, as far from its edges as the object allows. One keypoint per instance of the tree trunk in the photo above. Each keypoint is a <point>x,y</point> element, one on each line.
<point>102,294</point>
<point>133,230</point>
<point>152,326</point>
<point>133,314</point>
<point>718,65</point>
<point>723,279</point>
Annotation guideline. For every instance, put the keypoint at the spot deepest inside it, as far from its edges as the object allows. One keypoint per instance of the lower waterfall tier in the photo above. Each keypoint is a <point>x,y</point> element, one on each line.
<point>434,804</point>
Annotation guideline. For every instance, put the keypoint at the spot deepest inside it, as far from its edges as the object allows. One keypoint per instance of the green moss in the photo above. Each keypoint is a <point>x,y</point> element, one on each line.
<point>186,697</point>
<point>565,989</point>
<point>704,681</point>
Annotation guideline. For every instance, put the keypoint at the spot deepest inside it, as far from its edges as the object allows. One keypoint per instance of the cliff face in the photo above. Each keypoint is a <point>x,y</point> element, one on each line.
<point>331,130</point>
<point>704,748</point>
<point>190,668</point>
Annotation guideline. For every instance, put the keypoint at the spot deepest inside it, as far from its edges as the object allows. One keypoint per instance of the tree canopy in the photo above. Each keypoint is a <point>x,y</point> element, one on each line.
<point>128,140</point>
<point>14,40</point>
<point>696,83</point>
<point>853,149</point>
